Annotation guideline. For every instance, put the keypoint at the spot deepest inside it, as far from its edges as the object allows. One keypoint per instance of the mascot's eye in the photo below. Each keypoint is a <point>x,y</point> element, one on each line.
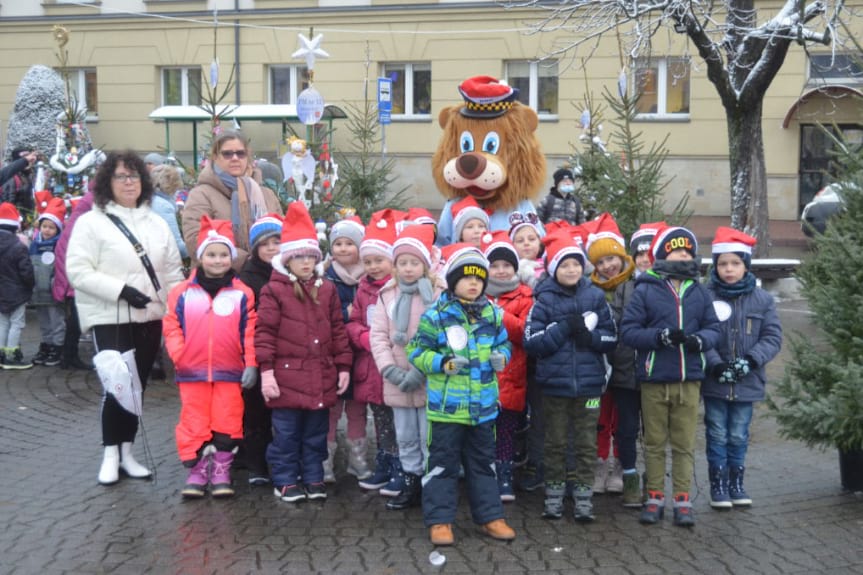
<point>491,144</point>
<point>466,142</point>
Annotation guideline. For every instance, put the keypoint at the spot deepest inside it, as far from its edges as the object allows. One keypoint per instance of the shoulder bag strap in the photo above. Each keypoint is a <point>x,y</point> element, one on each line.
<point>139,249</point>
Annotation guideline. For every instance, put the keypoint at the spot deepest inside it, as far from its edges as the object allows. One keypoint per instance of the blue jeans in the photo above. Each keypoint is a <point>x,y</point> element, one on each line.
<point>299,445</point>
<point>727,431</point>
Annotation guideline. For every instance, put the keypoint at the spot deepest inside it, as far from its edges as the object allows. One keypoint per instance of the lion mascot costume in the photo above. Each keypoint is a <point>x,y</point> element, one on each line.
<point>488,151</point>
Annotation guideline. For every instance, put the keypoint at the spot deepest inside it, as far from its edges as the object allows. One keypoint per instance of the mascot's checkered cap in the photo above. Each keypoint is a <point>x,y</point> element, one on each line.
<point>463,211</point>
<point>498,246</point>
<point>558,246</point>
<point>265,227</point>
<point>643,237</point>
<point>215,232</point>
<point>381,233</point>
<point>486,97</point>
<point>417,241</point>
<point>462,260</point>
<point>299,236</point>
<point>9,215</point>
<point>729,240</point>
<point>54,210</point>
<point>604,239</point>
<point>673,238</point>
<point>351,228</point>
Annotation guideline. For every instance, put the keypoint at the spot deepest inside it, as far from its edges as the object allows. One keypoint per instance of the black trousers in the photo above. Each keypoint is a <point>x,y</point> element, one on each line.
<point>118,425</point>
<point>73,333</point>
<point>257,429</point>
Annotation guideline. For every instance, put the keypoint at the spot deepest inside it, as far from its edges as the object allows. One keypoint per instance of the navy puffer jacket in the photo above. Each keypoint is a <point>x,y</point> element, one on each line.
<point>16,273</point>
<point>563,369</point>
<point>654,306</point>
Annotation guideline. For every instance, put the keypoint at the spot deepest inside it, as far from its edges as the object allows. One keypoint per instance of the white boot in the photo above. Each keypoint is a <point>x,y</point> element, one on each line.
<point>614,482</point>
<point>329,472</point>
<point>109,473</point>
<point>600,475</point>
<point>128,464</point>
<point>357,464</point>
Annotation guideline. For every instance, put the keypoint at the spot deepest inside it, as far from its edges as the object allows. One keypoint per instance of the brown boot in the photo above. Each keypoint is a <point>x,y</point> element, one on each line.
<point>441,534</point>
<point>498,529</point>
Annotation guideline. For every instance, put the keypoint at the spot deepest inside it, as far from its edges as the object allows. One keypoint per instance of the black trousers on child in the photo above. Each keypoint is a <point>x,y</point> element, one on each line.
<point>118,425</point>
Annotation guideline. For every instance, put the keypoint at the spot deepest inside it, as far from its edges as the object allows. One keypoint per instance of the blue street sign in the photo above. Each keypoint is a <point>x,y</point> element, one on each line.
<point>385,100</point>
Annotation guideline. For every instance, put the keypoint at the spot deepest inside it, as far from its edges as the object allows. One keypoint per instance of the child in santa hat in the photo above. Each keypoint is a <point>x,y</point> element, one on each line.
<point>526,236</point>
<point>209,333</point>
<point>305,359</point>
<point>52,316</point>
<point>670,323</point>
<point>16,286</point>
<point>751,336</point>
<point>469,221</point>
<point>395,319</point>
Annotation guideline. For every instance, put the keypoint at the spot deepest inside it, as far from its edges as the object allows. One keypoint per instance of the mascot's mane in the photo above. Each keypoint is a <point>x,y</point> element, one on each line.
<point>519,154</point>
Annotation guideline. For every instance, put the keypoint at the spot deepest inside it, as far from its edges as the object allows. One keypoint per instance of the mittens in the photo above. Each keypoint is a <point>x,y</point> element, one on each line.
<point>269,387</point>
<point>497,360</point>
<point>249,377</point>
<point>394,374</point>
<point>452,365</point>
<point>413,380</point>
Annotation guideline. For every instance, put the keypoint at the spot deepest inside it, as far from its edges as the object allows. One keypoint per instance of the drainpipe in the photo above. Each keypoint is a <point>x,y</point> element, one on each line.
<point>237,54</point>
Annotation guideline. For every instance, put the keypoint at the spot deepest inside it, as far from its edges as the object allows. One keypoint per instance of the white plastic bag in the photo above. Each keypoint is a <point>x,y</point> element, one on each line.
<point>119,375</point>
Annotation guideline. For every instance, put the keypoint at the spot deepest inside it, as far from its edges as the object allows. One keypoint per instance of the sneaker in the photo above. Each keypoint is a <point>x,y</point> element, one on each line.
<point>290,493</point>
<point>258,479</point>
<point>531,477</point>
<point>654,508</point>
<point>316,490</point>
<point>683,516</point>
<point>583,508</point>
<point>15,360</point>
<point>631,490</point>
<point>41,355</point>
<point>614,480</point>
<point>55,356</point>
<point>600,475</point>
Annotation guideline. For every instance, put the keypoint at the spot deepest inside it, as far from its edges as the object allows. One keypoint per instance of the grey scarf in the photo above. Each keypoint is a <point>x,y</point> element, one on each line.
<point>402,309</point>
<point>498,287</point>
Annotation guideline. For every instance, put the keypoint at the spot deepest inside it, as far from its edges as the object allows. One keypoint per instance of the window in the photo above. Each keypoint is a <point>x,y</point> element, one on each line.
<point>83,87</point>
<point>663,85</point>
<point>286,82</point>
<point>181,86</point>
<point>835,69</point>
<point>411,88</point>
<point>536,83</point>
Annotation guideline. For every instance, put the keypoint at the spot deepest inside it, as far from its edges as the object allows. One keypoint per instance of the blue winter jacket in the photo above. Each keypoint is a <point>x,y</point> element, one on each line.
<point>656,305</point>
<point>167,210</point>
<point>346,292</point>
<point>563,369</point>
<point>754,330</point>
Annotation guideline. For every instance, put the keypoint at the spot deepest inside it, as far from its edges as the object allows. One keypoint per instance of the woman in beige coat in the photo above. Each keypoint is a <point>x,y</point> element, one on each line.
<point>226,191</point>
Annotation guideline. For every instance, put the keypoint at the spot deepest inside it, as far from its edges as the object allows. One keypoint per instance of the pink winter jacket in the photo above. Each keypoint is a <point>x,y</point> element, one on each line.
<point>386,353</point>
<point>365,377</point>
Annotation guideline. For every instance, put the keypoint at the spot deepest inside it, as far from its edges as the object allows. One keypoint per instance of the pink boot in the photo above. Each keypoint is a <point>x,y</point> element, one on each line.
<point>199,476</point>
<point>221,476</point>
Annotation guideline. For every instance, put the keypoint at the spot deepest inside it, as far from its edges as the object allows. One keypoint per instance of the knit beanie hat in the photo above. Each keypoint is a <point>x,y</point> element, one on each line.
<point>266,227</point>
<point>54,210</point>
<point>351,228</point>
<point>673,238</point>
<point>417,241</point>
<point>643,237</point>
<point>463,211</point>
<point>561,174</point>
<point>559,246</point>
<point>9,216</point>
<point>154,158</point>
<point>215,232</point>
<point>380,234</point>
<point>518,220</point>
<point>498,246</point>
<point>604,239</point>
<point>299,236</point>
<point>729,240</point>
<point>463,260</point>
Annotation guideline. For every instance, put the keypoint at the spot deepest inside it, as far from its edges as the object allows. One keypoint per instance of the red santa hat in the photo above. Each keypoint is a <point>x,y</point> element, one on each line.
<point>9,215</point>
<point>604,239</point>
<point>53,211</point>
<point>729,240</point>
<point>417,241</point>
<point>42,198</point>
<point>498,246</point>
<point>486,97</point>
<point>351,228</point>
<point>381,233</point>
<point>215,232</point>
<point>299,236</point>
<point>643,236</point>
<point>559,246</point>
<point>420,216</point>
<point>463,211</point>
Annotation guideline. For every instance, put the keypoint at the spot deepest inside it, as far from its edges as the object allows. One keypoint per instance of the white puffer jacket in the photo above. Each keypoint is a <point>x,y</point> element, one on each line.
<point>100,261</point>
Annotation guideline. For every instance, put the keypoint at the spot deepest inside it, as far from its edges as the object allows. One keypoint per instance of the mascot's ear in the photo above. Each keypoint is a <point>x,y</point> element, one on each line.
<point>526,116</point>
<point>447,113</point>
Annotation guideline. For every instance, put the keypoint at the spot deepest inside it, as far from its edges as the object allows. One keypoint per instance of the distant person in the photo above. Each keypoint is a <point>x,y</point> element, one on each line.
<point>52,315</point>
<point>152,160</point>
<point>24,159</point>
<point>18,188</point>
<point>166,182</point>
<point>561,203</point>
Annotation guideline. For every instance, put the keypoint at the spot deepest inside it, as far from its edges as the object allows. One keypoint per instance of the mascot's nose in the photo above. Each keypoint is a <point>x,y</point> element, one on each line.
<point>470,165</point>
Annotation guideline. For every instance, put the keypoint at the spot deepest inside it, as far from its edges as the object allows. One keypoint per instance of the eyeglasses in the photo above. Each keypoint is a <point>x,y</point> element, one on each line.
<point>228,154</point>
<point>127,177</point>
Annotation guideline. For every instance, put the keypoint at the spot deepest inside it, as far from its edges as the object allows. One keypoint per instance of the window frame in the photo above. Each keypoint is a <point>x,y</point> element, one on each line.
<point>408,71</point>
<point>298,75</point>
<point>821,79</point>
<point>184,85</point>
<point>661,88</point>
<point>533,85</point>
<point>78,82</point>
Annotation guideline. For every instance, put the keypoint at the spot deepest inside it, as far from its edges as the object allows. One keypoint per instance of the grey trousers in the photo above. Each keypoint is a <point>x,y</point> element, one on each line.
<point>52,324</point>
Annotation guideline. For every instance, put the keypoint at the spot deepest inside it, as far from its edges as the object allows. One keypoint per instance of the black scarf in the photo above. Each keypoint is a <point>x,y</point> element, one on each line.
<point>735,290</point>
<point>213,285</point>
<point>677,270</point>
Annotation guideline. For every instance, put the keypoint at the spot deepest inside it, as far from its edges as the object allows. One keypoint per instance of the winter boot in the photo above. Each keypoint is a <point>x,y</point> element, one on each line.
<point>683,516</point>
<point>654,508</point>
<point>396,484</point>
<point>411,495</point>
<point>129,466</point>
<point>583,509</point>
<point>632,490</point>
<point>15,360</point>
<point>441,534</point>
<point>614,480</point>
<point>221,476</point>
<point>41,355</point>
<point>357,464</point>
<point>553,506</point>
<point>199,475</point>
<point>381,475</point>
<point>54,357</point>
<point>109,472</point>
<point>504,480</point>
<point>600,475</point>
<point>498,529</point>
<point>739,497</point>
<point>329,472</point>
<point>531,477</point>
<point>719,498</point>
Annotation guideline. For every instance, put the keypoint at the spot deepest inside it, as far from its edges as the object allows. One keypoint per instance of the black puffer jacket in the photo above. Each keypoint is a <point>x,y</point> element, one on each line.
<point>16,272</point>
<point>623,356</point>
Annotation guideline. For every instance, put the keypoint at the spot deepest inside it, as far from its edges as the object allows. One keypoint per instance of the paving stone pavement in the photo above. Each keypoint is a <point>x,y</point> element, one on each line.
<point>57,519</point>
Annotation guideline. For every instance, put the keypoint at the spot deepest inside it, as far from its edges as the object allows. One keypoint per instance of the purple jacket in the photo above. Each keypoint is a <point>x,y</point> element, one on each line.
<point>61,288</point>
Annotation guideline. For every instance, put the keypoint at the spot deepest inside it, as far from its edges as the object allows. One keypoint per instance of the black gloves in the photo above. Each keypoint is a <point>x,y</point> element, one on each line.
<point>135,298</point>
<point>670,337</point>
<point>742,366</point>
<point>580,334</point>
<point>692,344</point>
<point>724,373</point>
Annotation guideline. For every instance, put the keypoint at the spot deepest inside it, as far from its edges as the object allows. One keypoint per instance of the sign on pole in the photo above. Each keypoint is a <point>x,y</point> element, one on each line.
<point>385,100</point>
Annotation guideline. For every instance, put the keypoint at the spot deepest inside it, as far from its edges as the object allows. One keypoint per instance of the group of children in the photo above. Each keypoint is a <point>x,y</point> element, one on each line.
<point>451,347</point>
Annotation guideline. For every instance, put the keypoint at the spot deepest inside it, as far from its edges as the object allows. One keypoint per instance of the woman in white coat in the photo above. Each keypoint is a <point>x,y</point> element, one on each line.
<point>116,296</point>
